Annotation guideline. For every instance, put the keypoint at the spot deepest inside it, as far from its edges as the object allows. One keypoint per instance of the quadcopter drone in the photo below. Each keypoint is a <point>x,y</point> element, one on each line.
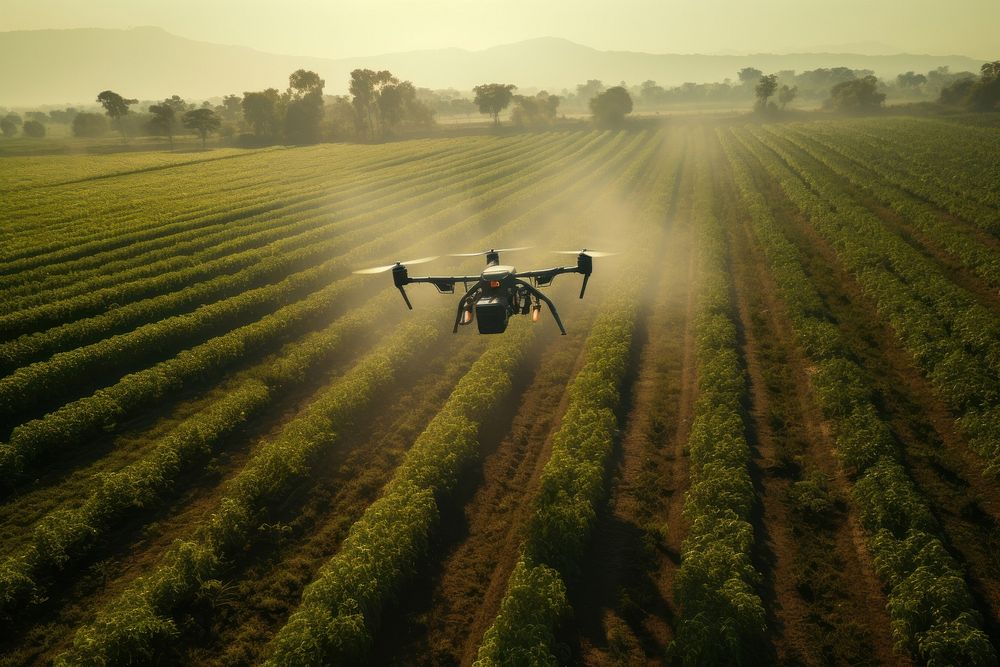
<point>499,291</point>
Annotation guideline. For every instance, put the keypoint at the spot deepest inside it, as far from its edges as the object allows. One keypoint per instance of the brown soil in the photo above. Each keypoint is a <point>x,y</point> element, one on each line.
<point>948,474</point>
<point>479,545</point>
<point>824,602</point>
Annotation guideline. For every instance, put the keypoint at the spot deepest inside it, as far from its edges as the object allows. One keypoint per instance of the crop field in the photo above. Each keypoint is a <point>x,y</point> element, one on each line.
<point>771,435</point>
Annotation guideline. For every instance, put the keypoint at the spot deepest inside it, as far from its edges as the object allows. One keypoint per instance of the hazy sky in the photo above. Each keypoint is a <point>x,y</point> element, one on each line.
<point>336,28</point>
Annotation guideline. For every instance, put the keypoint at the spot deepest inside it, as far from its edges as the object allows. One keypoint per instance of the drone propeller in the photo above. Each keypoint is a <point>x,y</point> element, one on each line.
<point>589,253</point>
<point>380,269</point>
<point>487,252</point>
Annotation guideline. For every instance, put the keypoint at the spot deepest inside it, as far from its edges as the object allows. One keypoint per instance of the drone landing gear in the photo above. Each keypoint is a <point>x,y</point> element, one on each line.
<point>539,296</point>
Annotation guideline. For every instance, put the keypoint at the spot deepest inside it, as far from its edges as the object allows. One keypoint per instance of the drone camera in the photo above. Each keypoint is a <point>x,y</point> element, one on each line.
<point>492,315</point>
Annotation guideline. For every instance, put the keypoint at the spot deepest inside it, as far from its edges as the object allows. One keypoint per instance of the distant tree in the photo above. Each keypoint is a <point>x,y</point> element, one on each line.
<point>163,121</point>
<point>65,116</point>
<point>14,118</point>
<point>610,107</point>
<point>89,125</point>
<point>231,107</point>
<point>260,109</point>
<point>40,116</point>
<point>116,107</point>
<point>749,76</point>
<point>856,96</point>
<point>8,127</point>
<point>910,80</point>
<point>34,129</point>
<point>365,86</point>
<point>534,111</point>
<point>651,94</point>
<point>786,95</point>
<point>985,93</point>
<point>957,93</point>
<point>588,91</point>
<point>202,121</point>
<point>304,107</point>
<point>339,116</point>
<point>493,98</point>
<point>765,88</point>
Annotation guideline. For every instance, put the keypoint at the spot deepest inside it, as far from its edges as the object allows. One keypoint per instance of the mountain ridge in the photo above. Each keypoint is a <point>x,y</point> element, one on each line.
<point>148,62</point>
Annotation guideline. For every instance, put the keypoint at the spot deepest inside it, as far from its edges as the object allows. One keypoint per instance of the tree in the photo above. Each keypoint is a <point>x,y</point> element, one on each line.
<point>985,93</point>
<point>749,76</point>
<point>910,80</point>
<point>8,126</point>
<point>89,125</point>
<point>492,98</point>
<point>786,95</point>
<point>231,107</point>
<point>303,107</point>
<point>610,107</point>
<point>856,96</point>
<point>202,121</point>
<point>534,111</point>
<point>34,129</point>
<point>260,109</point>
<point>163,120</point>
<point>365,87</point>
<point>765,88</point>
<point>588,91</point>
<point>116,107</point>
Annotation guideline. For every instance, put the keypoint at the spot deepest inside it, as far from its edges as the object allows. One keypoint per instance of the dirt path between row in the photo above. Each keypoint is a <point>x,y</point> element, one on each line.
<point>823,600</point>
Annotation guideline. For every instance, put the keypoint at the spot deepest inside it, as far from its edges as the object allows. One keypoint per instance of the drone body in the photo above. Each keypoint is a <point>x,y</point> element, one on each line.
<point>498,293</point>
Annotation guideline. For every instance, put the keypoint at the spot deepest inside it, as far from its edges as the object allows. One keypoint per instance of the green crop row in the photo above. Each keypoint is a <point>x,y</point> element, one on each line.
<point>572,481</point>
<point>932,612</point>
<point>722,617</point>
<point>75,421</point>
<point>954,340</point>
<point>957,241</point>
<point>961,159</point>
<point>30,384</point>
<point>230,216</point>
<point>340,609</point>
<point>53,220</point>
<point>252,269</point>
<point>135,626</point>
<point>958,194</point>
<point>65,536</point>
<point>341,197</point>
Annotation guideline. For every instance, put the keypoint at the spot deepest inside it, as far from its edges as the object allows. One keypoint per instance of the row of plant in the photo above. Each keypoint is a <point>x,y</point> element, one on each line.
<point>65,536</point>
<point>137,626</point>
<point>350,193</point>
<point>957,241</point>
<point>340,609</point>
<point>721,614</point>
<point>953,339</point>
<point>302,195</point>
<point>572,483</point>
<point>56,218</point>
<point>955,193</point>
<point>932,612</point>
<point>173,293</point>
<point>76,421</point>
<point>65,370</point>
<point>969,168</point>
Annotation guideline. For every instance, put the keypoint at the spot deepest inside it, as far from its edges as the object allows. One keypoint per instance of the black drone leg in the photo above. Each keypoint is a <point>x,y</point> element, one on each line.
<point>552,306</point>
<point>461,307</point>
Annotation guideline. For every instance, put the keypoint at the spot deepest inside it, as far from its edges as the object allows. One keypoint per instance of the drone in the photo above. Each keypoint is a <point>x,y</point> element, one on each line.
<point>499,292</point>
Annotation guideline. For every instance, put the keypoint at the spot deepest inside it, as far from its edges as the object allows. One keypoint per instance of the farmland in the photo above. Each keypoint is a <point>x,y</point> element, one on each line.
<point>771,435</point>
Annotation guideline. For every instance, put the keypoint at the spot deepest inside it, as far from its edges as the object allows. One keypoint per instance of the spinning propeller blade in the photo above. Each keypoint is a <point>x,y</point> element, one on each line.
<point>486,252</point>
<point>380,269</point>
<point>589,253</point>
